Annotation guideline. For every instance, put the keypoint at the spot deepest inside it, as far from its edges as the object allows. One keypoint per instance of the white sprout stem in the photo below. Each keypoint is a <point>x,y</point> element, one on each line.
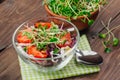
<point>107,30</point>
<point>57,47</point>
<point>52,56</point>
<point>103,44</point>
<point>109,22</point>
<point>26,25</point>
<point>110,31</point>
<point>62,26</point>
<point>86,17</point>
<point>23,44</point>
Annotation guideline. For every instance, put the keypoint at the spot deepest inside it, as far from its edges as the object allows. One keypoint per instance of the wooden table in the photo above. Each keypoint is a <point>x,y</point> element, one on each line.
<point>14,12</point>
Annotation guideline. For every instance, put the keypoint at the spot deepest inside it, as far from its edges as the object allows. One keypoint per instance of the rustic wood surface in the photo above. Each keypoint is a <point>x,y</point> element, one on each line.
<point>14,12</point>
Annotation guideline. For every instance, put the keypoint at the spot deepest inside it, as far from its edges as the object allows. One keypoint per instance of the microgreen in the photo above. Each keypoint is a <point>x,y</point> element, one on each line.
<point>108,34</point>
<point>115,41</point>
<point>102,36</point>
<point>107,50</point>
<point>56,50</point>
<point>54,39</point>
<point>41,46</point>
<point>74,8</point>
<point>90,22</point>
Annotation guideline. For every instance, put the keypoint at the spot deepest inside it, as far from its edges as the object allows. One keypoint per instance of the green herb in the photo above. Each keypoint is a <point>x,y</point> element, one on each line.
<point>90,22</point>
<point>41,46</point>
<point>107,50</point>
<point>115,41</point>
<point>102,36</point>
<point>74,8</point>
<point>56,50</point>
<point>108,35</point>
<point>54,39</point>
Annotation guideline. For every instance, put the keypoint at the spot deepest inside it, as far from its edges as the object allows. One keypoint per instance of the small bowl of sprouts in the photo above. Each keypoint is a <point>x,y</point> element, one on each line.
<point>46,44</point>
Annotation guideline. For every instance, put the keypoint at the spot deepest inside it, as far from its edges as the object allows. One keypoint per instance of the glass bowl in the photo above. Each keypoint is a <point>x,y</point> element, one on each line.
<point>52,63</point>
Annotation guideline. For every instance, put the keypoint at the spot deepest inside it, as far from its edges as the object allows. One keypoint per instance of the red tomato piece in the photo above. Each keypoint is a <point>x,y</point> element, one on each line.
<point>36,53</point>
<point>47,24</point>
<point>67,39</point>
<point>23,38</point>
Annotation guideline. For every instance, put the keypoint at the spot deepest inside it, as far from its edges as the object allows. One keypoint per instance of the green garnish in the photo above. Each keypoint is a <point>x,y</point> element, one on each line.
<point>55,51</point>
<point>54,39</point>
<point>102,36</point>
<point>108,35</point>
<point>74,8</point>
<point>41,46</point>
<point>90,22</point>
<point>115,41</point>
<point>107,50</point>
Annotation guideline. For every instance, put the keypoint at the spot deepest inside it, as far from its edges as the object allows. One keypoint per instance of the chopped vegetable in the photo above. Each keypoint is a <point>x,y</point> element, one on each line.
<point>66,40</point>
<point>32,50</point>
<point>25,36</point>
<point>39,24</point>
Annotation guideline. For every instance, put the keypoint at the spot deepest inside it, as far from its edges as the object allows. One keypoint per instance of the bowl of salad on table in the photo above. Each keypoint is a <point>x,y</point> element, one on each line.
<point>47,43</point>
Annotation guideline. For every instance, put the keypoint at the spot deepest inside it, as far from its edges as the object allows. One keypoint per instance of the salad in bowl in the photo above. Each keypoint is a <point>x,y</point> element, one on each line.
<point>46,44</point>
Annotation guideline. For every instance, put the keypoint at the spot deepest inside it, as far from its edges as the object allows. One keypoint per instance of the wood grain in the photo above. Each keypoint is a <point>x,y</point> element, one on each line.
<point>14,12</point>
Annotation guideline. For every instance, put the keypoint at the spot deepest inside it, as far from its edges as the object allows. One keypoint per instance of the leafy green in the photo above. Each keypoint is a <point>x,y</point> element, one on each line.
<point>90,22</point>
<point>56,50</point>
<point>54,39</point>
<point>102,36</point>
<point>74,8</point>
<point>107,50</point>
<point>41,46</point>
<point>115,41</point>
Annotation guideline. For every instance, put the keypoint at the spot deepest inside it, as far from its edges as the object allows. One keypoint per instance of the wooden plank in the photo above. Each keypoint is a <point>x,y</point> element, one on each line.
<point>110,10</point>
<point>9,67</point>
<point>14,13</point>
<point>110,69</point>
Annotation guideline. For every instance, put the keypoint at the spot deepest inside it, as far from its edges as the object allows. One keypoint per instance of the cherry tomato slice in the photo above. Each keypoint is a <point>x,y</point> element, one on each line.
<point>36,53</point>
<point>47,24</point>
<point>23,38</point>
<point>67,39</point>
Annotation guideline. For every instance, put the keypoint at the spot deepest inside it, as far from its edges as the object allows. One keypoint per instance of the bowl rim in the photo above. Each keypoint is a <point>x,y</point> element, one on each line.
<point>28,56</point>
